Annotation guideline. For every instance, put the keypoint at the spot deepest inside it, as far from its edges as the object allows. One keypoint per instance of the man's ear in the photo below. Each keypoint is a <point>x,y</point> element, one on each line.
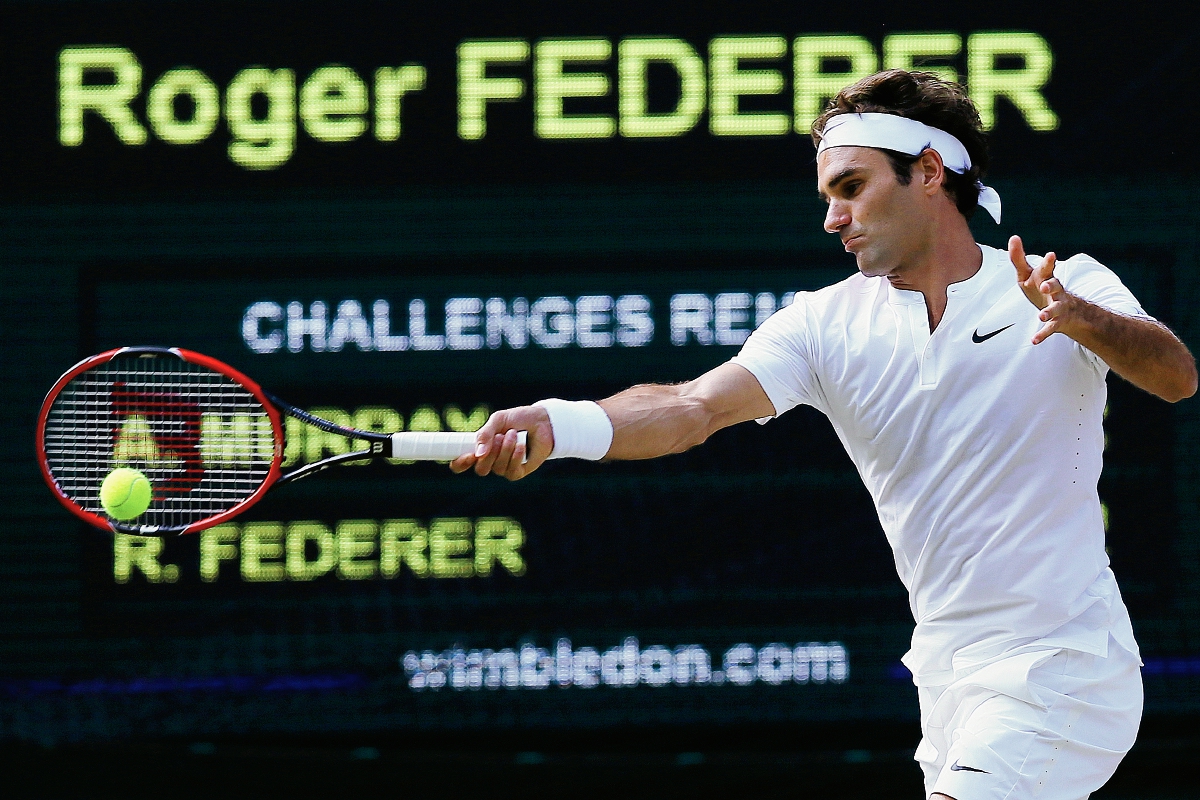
<point>931,171</point>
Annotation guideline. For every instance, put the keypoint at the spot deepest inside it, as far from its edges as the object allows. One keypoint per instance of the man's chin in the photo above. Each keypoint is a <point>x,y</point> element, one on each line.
<point>870,270</point>
<point>870,267</point>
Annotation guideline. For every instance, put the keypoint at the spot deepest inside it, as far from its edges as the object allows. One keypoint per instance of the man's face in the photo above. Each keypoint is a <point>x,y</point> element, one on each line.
<point>883,223</point>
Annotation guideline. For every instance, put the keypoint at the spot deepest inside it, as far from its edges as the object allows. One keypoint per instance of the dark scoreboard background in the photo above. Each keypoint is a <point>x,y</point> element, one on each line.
<point>317,194</point>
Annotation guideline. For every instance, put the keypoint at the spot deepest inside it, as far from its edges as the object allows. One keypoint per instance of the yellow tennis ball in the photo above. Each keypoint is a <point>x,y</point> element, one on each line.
<point>125,493</point>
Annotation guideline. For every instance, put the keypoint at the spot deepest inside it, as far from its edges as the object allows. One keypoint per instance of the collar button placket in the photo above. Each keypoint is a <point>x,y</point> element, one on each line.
<point>922,340</point>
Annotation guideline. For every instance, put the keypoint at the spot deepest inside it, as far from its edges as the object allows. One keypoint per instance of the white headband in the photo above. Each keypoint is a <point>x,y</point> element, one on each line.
<point>904,135</point>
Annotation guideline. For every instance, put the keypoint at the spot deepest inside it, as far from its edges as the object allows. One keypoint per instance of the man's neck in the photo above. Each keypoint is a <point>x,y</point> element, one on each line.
<point>952,256</point>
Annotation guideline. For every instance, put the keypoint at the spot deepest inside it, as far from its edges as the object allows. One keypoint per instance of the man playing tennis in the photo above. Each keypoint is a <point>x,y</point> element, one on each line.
<point>976,429</point>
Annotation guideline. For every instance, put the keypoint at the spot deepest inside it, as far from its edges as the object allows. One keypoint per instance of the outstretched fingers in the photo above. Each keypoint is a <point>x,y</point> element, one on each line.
<point>1044,271</point>
<point>1042,289</point>
<point>1052,289</point>
<point>1031,279</point>
<point>1057,313</point>
<point>1046,331</point>
<point>1016,254</point>
<point>1038,277</point>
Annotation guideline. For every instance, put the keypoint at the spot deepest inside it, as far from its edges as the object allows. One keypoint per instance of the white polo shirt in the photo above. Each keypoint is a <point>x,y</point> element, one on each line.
<point>981,452</point>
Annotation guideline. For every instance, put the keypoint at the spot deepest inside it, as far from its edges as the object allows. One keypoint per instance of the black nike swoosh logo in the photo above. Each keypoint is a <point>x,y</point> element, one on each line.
<point>977,339</point>
<point>956,767</point>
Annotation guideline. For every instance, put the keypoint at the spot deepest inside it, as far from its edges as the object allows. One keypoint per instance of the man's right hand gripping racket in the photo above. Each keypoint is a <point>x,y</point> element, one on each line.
<point>208,438</point>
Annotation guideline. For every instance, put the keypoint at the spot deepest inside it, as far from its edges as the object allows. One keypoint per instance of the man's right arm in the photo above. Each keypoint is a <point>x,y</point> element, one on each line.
<point>648,421</point>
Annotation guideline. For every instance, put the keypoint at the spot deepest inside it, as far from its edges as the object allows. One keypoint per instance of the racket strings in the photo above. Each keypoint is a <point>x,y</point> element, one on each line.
<point>205,442</point>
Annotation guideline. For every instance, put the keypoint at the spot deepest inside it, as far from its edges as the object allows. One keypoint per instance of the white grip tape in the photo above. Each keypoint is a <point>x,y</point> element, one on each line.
<point>430,446</point>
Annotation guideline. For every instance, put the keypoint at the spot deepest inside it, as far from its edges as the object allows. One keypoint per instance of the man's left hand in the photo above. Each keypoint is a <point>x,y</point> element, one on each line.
<point>1142,351</point>
<point>1060,309</point>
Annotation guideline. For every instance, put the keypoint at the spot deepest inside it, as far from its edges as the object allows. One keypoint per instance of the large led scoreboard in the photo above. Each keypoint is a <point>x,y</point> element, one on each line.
<point>405,219</point>
<point>708,546</point>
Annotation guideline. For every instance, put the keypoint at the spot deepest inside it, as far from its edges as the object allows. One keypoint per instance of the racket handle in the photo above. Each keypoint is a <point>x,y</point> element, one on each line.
<point>423,446</point>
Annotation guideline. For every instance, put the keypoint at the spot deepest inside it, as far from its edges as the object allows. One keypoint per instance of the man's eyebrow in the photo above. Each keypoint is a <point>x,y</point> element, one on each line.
<point>841,176</point>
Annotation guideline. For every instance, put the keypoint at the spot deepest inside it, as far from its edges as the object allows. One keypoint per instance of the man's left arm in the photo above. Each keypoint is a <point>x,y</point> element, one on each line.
<point>1142,351</point>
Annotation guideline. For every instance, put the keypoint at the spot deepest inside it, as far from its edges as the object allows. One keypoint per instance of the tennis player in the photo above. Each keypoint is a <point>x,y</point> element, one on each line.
<point>967,385</point>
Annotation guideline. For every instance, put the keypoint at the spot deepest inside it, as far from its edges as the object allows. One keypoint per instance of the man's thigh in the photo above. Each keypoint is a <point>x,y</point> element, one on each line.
<point>1062,741</point>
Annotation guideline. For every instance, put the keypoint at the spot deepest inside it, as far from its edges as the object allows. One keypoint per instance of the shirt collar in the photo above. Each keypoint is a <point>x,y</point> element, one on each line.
<point>966,288</point>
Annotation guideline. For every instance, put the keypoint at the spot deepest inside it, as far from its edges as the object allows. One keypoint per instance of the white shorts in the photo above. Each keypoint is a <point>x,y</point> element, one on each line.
<point>1049,724</point>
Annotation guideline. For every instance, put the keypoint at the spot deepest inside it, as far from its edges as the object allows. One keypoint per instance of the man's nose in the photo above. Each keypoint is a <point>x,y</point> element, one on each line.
<point>837,217</point>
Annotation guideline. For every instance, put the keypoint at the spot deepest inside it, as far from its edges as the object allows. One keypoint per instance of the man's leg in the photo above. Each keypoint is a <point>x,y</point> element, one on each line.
<point>1057,730</point>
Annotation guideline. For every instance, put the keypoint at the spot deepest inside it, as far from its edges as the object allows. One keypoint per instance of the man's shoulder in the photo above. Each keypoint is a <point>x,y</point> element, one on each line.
<point>855,291</point>
<point>1076,262</point>
<point>1080,262</point>
<point>815,314</point>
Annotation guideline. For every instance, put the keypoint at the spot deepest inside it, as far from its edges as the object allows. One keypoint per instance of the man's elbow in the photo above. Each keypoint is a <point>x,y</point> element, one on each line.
<point>1191,385</point>
<point>1183,385</point>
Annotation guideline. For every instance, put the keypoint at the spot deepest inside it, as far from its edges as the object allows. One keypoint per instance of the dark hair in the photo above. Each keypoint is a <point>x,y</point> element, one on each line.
<point>927,98</point>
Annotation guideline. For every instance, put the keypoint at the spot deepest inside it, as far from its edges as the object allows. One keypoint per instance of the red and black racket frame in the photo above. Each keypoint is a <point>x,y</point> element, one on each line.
<point>380,443</point>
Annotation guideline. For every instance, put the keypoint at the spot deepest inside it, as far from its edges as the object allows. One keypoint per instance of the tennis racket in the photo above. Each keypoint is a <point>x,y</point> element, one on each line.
<point>208,438</point>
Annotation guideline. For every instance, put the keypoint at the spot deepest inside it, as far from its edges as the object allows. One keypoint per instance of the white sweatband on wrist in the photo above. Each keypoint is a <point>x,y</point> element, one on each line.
<point>581,428</point>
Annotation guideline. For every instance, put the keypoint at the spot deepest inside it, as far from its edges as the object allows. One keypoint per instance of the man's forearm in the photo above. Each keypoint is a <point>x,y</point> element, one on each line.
<point>1141,351</point>
<point>651,421</point>
<point>647,421</point>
